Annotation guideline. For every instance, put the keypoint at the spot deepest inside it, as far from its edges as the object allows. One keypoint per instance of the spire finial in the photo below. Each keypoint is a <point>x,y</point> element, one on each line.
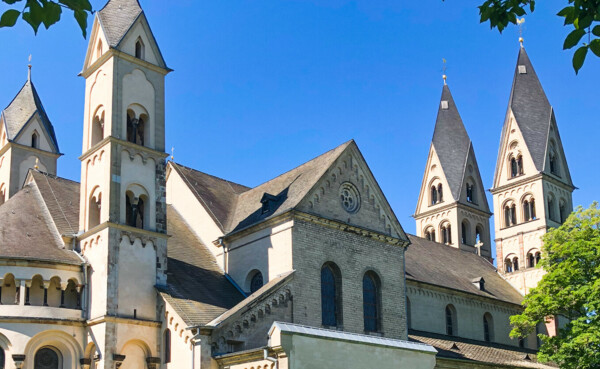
<point>520,24</point>
<point>173,153</point>
<point>37,164</point>
<point>29,69</point>
<point>444,67</point>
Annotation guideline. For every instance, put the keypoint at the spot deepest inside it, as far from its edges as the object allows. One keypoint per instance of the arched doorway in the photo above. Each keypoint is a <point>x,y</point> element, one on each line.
<point>47,358</point>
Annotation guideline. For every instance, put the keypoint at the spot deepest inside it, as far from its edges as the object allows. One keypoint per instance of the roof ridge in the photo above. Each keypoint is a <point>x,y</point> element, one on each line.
<point>210,175</point>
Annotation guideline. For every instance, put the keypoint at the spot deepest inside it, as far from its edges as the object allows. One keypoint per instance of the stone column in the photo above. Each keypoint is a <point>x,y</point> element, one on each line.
<point>46,286</point>
<point>85,363</point>
<point>19,293</point>
<point>118,360</point>
<point>153,362</point>
<point>63,288</point>
<point>19,361</point>
<point>27,289</point>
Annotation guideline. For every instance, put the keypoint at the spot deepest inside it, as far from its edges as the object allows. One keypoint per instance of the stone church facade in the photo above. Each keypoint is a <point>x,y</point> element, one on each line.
<point>146,263</point>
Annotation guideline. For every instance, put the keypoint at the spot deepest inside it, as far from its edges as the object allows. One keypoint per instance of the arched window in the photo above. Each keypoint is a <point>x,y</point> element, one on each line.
<point>530,260</point>
<point>46,358</point>
<point>508,267</point>
<point>465,230</point>
<point>135,128</point>
<point>98,127</point>
<point>551,213</point>
<point>139,49</point>
<point>562,209</point>
<point>256,282</point>
<point>2,358</point>
<point>167,343</point>
<point>371,302</point>
<point>331,295</point>
<point>520,164</point>
<point>430,234</point>
<point>35,140</point>
<point>8,292</point>
<point>440,193</point>
<point>470,193</point>
<point>510,215</point>
<point>446,234</point>
<point>134,210</point>
<point>451,320</point>
<point>99,49</point>
<point>514,169</point>
<point>434,195</point>
<point>408,314</point>
<point>515,262</point>
<point>95,206</point>
<point>538,257</point>
<point>553,160</point>
<point>488,327</point>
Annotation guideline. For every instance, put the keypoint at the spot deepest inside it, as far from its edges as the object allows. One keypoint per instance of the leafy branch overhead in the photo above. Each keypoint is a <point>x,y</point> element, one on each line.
<point>46,12</point>
<point>583,16</point>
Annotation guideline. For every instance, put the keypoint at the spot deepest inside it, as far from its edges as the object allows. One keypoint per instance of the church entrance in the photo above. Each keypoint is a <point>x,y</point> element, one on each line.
<point>47,358</point>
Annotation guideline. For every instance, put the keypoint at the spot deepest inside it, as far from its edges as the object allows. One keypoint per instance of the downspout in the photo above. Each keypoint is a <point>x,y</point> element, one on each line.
<point>84,268</point>
<point>271,359</point>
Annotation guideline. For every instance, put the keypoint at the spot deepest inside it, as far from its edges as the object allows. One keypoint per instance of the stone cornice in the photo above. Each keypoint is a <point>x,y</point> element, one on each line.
<point>29,263</point>
<point>69,322</point>
<point>141,233</point>
<point>123,320</point>
<point>10,144</point>
<point>248,356</point>
<point>126,144</point>
<point>112,52</point>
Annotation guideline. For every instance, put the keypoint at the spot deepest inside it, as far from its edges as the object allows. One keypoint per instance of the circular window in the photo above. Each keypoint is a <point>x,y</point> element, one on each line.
<point>350,198</point>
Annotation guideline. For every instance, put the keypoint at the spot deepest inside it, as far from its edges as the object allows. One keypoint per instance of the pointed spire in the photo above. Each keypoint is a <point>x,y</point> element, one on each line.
<point>29,70</point>
<point>451,142</point>
<point>117,17</point>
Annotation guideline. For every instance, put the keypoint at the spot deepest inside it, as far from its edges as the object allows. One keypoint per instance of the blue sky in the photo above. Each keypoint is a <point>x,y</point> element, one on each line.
<point>260,87</point>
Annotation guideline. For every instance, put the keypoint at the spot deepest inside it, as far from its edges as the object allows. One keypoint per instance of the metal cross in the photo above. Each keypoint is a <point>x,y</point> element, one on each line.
<point>520,24</point>
<point>172,153</point>
<point>444,67</point>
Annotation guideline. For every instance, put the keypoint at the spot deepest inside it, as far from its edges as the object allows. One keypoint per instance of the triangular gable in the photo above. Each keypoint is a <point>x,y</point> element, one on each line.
<point>433,173</point>
<point>554,140</point>
<point>98,40</point>
<point>141,28</point>
<point>35,123</point>
<point>473,176</point>
<point>348,192</point>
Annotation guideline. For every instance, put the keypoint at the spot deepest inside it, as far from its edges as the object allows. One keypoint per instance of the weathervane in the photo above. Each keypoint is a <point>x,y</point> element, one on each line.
<point>444,67</point>
<point>29,67</point>
<point>520,24</point>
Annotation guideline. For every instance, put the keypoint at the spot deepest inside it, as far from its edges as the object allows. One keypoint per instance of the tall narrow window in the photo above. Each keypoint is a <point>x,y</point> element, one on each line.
<point>488,327</point>
<point>167,346</point>
<point>470,193</point>
<point>478,235</point>
<point>516,264</point>
<point>95,205</point>
<point>520,164</point>
<point>551,208</point>
<point>430,234</point>
<point>514,168</point>
<point>463,229</point>
<point>526,214</point>
<point>538,257</point>
<point>532,209</point>
<point>440,193</point>
<point>513,214</point>
<point>434,195</point>
<point>35,140</point>
<point>134,211</point>
<point>257,282</point>
<point>330,296</point>
<point>371,309</point>
<point>507,220</point>
<point>508,268</point>
<point>139,49</point>
<point>446,234</point>
<point>530,260</point>
<point>553,161</point>
<point>563,211</point>
<point>450,320</point>
<point>135,130</point>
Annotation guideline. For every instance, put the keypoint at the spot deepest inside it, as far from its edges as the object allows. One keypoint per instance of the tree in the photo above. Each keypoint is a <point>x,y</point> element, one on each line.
<point>583,16</point>
<point>46,12</point>
<point>570,289</point>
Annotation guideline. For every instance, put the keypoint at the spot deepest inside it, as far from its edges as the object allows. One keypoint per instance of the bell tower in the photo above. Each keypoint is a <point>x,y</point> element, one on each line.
<point>452,207</point>
<point>532,185</point>
<point>122,204</point>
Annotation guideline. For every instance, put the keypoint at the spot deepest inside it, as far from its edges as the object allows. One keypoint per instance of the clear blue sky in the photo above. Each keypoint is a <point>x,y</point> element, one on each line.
<point>262,86</point>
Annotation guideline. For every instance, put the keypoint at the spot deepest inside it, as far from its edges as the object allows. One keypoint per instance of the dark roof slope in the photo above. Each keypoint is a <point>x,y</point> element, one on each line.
<point>196,287</point>
<point>457,348</point>
<point>117,17</point>
<point>62,200</point>
<point>445,266</point>
<point>21,110</point>
<point>27,231</point>
<point>451,142</point>
<point>217,195</point>
<point>531,108</point>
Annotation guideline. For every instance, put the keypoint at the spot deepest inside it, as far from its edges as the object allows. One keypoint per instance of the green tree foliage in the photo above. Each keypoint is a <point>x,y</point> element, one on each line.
<point>46,12</point>
<point>570,289</point>
<point>581,16</point>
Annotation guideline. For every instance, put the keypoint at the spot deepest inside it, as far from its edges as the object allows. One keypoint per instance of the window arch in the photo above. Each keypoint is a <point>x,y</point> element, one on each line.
<point>488,327</point>
<point>256,281</point>
<point>430,233</point>
<point>510,214</point>
<point>451,328</point>
<point>167,345</point>
<point>465,230</point>
<point>446,233</point>
<point>434,195</point>
<point>331,295</point>
<point>35,138</point>
<point>8,292</point>
<point>98,127</point>
<point>47,358</point>
<point>371,302</point>
<point>137,207</point>
<point>95,207</point>
<point>529,212</point>
<point>140,49</point>
<point>551,204</point>
<point>508,265</point>
<point>471,193</point>
<point>553,160</point>
<point>562,210</point>
<point>533,258</point>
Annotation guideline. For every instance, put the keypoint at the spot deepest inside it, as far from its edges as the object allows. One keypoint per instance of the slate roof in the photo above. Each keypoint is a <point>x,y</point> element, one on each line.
<point>61,197</point>
<point>532,110</point>
<point>20,111</point>
<point>451,142</point>
<point>117,17</point>
<point>457,348</point>
<point>27,230</point>
<point>196,287</point>
<point>434,263</point>
<point>217,195</point>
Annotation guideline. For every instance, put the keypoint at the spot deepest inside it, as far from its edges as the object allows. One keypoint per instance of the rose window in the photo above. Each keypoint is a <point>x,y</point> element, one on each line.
<point>349,197</point>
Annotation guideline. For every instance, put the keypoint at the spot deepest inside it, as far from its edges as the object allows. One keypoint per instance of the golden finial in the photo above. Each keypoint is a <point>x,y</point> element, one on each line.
<point>172,153</point>
<point>37,164</point>
<point>520,24</point>
<point>29,71</point>
<point>444,77</point>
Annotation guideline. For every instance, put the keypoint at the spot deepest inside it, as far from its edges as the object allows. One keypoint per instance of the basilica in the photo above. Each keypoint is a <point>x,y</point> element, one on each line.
<point>146,263</point>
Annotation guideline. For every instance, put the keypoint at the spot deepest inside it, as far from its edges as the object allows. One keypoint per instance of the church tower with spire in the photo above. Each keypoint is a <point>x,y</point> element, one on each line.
<point>452,207</point>
<point>122,197</point>
<point>532,186</point>
<point>27,140</point>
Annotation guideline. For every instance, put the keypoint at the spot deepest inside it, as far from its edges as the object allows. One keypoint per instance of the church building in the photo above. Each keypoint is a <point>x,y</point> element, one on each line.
<point>148,264</point>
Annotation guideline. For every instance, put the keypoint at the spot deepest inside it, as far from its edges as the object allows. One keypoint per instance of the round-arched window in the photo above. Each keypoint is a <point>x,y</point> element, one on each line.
<point>349,197</point>
<point>46,358</point>
<point>256,283</point>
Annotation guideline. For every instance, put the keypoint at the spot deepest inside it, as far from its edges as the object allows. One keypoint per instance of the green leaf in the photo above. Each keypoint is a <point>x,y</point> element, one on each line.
<point>596,31</point>
<point>579,58</point>
<point>9,18</point>
<point>565,11</point>
<point>52,12</point>
<point>81,17</point>
<point>595,47</point>
<point>10,2</point>
<point>573,38</point>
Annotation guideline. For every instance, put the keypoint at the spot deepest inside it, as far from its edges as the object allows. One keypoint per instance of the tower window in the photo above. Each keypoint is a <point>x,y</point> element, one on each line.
<point>551,214</point>
<point>515,263</point>
<point>446,234</point>
<point>135,129</point>
<point>139,49</point>
<point>440,193</point>
<point>98,127</point>
<point>134,211</point>
<point>256,282</point>
<point>529,209</point>
<point>434,195</point>
<point>331,295</point>
<point>478,235</point>
<point>95,206</point>
<point>371,302</point>
<point>167,338</point>
<point>465,230</point>
<point>488,327</point>
<point>430,234</point>
<point>470,193</point>
<point>450,320</point>
<point>510,215</point>
<point>35,140</point>
<point>516,166</point>
<point>508,267</point>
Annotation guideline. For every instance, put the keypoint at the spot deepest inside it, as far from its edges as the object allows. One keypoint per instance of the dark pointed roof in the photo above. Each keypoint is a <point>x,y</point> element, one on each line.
<point>451,142</point>
<point>20,111</point>
<point>531,108</point>
<point>117,17</point>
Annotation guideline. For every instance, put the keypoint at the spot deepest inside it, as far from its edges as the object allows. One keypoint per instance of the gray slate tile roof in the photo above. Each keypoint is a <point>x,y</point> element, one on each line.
<point>61,197</point>
<point>196,287</point>
<point>531,108</point>
<point>451,142</point>
<point>437,264</point>
<point>20,111</point>
<point>473,351</point>
<point>27,230</point>
<point>117,17</point>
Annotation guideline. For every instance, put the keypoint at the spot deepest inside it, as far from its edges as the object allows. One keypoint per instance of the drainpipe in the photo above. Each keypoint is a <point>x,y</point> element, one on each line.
<point>84,268</point>
<point>271,359</point>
